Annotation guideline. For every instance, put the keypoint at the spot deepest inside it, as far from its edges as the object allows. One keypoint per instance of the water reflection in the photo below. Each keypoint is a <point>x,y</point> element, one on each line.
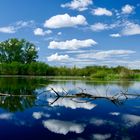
<point>6,116</point>
<point>101,136</point>
<point>63,127</point>
<point>18,93</point>
<point>69,103</point>
<point>83,110</point>
<point>39,115</point>
<point>114,113</point>
<point>131,120</point>
<point>21,93</point>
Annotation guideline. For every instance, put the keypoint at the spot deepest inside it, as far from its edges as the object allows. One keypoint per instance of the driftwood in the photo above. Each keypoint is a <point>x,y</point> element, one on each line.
<point>15,95</point>
<point>117,99</point>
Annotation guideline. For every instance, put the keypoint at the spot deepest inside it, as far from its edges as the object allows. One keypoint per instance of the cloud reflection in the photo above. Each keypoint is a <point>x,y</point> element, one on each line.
<point>131,120</point>
<point>63,127</point>
<point>39,115</point>
<point>98,122</point>
<point>114,113</point>
<point>101,136</point>
<point>6,116</point>
<point>68,103</point>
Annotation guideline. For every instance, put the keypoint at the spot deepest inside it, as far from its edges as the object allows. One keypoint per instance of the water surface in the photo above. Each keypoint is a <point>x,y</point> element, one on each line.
<point>30,109</point>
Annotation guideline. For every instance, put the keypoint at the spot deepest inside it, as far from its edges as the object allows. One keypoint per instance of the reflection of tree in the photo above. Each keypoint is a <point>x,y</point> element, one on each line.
<point>17,94</point>
<point>15,103</point>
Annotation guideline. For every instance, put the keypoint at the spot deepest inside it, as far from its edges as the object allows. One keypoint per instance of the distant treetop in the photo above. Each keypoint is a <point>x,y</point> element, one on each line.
<point>15,50</point>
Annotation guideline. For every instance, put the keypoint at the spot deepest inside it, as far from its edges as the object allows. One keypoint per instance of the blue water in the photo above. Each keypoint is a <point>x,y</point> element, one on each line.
<point>39,114</point>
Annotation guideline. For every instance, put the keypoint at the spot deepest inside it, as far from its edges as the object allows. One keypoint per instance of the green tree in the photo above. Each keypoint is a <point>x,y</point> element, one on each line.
<point>14,50</point>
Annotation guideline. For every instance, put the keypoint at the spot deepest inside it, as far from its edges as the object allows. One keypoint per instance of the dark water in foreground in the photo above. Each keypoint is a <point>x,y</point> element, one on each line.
<point>34,112</point>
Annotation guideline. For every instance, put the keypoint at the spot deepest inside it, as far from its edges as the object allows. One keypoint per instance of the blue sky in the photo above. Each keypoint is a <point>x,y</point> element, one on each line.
<point>76,32</point>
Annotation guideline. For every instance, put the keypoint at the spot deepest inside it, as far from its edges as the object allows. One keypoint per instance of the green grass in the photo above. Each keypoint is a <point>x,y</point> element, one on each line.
<point>113,76</point>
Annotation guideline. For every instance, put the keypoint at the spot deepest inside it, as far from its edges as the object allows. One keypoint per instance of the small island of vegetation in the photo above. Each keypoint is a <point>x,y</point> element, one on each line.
<point>19,57</point>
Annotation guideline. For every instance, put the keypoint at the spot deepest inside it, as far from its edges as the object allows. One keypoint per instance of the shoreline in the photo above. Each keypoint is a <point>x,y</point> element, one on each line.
<point>67,78</point>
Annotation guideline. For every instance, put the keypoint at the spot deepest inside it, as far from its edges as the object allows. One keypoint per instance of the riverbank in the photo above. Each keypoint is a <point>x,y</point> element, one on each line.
<point>90,72</point>
<point>107,78</point>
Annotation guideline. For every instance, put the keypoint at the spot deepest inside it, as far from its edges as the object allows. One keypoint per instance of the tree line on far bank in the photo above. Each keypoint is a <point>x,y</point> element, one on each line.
<point>18,57</point>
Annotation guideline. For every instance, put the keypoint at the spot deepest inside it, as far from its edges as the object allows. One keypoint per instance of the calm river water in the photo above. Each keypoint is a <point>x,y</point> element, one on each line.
<point>87,110</point>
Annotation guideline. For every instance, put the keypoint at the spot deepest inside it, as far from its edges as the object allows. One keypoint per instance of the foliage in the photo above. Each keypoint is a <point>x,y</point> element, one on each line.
<point>92,72</point>
<point>18,57</point>
<point>14,50</point>
<point>16,68</point>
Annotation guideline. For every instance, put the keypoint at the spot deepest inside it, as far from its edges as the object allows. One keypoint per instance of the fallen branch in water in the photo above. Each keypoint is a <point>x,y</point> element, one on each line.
<point>15,95</point>
<point>116,99</point>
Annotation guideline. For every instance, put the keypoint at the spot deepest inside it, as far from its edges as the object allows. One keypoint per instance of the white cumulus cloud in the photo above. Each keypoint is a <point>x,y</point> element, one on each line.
<point>115,35</point>
<point>99,27</point>
<point>40,32</point>
<point>101,11</point>
<point>130,28</point>
<point>65,20</point>
<point>71,44</point>
<point>63,127</point>
<point>127,9</point>
<point>56,57</point>
<point>79,5</point>
<point>8,29</point>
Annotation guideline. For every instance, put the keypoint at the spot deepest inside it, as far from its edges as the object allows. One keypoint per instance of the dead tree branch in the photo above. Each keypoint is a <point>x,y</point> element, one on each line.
<point>116,99</point>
